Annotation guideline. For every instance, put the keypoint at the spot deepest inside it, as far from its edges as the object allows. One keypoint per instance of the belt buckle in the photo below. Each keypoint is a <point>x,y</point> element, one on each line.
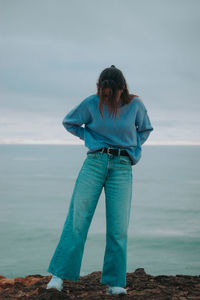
<point>108,151</point>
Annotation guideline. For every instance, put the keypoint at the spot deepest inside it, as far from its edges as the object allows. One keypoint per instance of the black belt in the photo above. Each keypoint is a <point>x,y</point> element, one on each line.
<point>113,151</point>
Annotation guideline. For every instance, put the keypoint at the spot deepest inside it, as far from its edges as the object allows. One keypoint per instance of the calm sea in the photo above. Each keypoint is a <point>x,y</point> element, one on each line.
<point>36,184</point>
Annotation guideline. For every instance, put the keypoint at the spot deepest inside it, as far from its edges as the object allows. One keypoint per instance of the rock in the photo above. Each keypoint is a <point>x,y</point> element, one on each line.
<point>140,286</point>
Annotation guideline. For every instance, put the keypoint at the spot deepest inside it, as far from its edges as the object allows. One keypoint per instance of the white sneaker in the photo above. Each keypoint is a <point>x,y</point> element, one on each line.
<point>55,283</point>
<point>115,290</point>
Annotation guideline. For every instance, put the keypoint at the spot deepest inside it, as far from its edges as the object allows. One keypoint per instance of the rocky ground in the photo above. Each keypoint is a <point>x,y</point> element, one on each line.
<point>140,286</point>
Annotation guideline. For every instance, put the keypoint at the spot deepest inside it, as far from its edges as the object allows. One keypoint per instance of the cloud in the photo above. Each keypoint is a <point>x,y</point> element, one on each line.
<point>52,55</point>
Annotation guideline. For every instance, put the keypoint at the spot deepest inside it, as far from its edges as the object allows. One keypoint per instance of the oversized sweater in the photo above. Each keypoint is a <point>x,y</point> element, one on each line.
<point>128,131</point>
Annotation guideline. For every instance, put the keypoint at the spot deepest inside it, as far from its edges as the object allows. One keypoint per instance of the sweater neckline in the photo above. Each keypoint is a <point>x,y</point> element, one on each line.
<point>119,103</point>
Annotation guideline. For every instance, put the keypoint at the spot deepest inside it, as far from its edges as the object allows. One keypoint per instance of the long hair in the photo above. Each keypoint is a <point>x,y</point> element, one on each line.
<point>109,84</point>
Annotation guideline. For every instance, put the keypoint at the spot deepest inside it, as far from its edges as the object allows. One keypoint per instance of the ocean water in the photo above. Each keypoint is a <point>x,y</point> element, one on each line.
<point>36,184</point>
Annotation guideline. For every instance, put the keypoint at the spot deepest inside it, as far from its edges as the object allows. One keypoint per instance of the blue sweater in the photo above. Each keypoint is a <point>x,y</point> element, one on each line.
<point>129,131</point>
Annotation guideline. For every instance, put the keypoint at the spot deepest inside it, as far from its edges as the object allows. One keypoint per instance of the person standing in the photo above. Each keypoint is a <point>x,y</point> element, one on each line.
<point>116,125</point>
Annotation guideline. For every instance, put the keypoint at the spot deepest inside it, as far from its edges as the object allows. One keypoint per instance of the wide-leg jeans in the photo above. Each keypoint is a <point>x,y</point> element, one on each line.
<point>114,174</point>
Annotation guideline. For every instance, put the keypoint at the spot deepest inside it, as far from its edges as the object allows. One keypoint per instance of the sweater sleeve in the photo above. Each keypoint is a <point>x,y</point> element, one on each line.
<point>78,116</point>
<point>143,124</point>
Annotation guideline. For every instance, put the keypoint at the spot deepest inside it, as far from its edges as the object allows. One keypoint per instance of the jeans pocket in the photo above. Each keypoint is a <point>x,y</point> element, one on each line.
<point>125,160</point>
<point>92,155</point>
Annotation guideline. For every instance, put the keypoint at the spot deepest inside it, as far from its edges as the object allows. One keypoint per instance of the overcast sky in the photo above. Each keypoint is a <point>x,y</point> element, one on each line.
<point>52,53</point>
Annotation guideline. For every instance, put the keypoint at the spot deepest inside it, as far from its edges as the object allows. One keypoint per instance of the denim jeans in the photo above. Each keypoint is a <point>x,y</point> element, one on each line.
<point>114,174</point>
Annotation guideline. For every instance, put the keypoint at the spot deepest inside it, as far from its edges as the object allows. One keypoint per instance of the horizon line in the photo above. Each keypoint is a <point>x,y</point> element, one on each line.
<point>70,143</point>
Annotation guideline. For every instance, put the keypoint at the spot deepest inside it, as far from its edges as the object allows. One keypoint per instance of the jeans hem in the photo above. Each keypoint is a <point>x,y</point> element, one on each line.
<point>63,276</point>
<point>112,283</point>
